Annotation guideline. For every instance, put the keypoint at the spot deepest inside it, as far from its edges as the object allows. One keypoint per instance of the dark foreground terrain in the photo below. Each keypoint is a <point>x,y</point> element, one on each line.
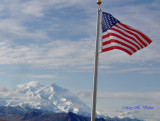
<point>19,114</point>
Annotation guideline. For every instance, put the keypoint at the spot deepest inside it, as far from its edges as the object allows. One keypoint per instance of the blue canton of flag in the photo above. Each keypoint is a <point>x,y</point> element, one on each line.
<point>108,21</point>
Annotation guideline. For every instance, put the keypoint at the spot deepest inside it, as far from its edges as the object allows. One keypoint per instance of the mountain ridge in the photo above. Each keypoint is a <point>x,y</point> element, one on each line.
<point>19,114</point>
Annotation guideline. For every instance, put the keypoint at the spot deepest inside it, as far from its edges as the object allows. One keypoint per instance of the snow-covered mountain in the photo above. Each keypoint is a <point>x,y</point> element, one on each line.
<point>44,97</point>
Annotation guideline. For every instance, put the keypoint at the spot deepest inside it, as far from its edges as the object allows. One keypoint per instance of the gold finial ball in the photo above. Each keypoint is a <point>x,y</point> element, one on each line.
<point>99,2</point>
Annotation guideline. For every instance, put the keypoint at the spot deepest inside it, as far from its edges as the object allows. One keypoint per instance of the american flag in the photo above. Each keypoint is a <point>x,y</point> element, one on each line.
<point>116,35</point>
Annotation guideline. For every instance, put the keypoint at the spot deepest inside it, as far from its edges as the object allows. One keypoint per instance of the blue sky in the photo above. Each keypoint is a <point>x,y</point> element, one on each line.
<point>53,41</point>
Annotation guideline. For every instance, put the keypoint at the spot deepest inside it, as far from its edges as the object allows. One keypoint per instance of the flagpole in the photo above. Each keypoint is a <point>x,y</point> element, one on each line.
<point>93,113</point>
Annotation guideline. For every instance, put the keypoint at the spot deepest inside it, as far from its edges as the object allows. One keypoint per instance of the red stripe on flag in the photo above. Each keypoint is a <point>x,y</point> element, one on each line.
<point>140,33</point>
<point>140,40</point>
<point>119,42</point>
<point>130,37</point>
<point>114,34</point>
<point>117,35</point>
<point>116,47</point>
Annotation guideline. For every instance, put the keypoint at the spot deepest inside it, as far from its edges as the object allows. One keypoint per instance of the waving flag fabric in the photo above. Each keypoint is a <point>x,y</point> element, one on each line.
<point>116,35</point>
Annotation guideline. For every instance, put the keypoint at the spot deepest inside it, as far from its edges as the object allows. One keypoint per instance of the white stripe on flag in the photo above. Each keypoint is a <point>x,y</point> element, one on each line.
<point>121,40</point>
<point>134,33</point>
<point>128,35</point>
<point>117,44</point>
<point>112,31</point>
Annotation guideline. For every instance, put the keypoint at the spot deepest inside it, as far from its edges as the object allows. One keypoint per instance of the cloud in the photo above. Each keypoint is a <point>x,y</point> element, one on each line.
<point>27,35</point>
<point>138,96</point>
<point>111,103</point>
<point>35,8</point>
<point>49,55</point>
<point>132,96</point>
<point>146,115</point>
<point>41,76</point>
<point>72,56</point>
<point>3,89</point>
<point>32,20</point>
<point>6,92</point>
<point>31,34</point>
<point>144,70</point>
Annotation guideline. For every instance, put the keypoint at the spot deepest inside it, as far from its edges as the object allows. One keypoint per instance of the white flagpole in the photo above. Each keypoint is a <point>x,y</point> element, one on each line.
<point>93,114</point>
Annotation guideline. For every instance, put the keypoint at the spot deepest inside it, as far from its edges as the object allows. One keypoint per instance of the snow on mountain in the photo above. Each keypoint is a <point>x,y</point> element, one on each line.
<point>145,115</point>
<point>45,97</point>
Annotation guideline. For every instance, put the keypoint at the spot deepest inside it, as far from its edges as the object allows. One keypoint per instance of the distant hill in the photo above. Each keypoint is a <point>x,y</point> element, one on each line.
<point>8,113</point>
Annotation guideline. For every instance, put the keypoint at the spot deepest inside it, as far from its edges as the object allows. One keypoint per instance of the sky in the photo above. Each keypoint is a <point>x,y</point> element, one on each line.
<point>53,41</point>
